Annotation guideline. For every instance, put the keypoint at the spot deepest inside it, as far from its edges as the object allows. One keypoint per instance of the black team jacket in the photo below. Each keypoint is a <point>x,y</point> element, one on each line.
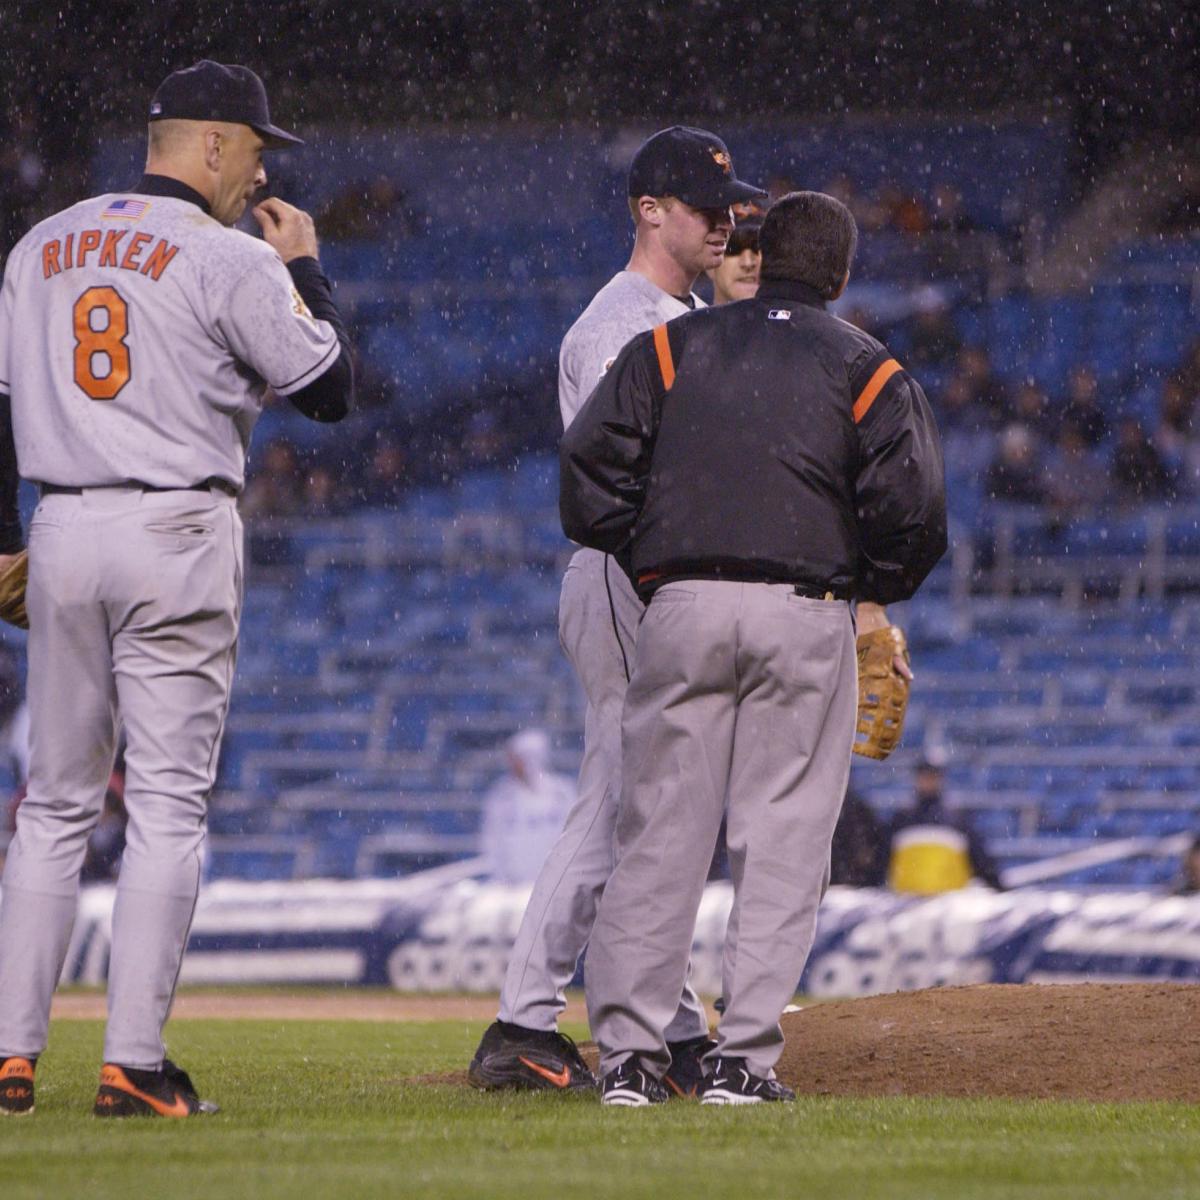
<point>765,440</point>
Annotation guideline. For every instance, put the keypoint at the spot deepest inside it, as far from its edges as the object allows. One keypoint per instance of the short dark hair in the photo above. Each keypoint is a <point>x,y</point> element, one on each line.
<point>808,237</point>
<point>744,236</point>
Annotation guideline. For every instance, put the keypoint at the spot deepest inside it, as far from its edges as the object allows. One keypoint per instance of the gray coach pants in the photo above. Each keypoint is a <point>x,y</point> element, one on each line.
<point>134,599</point>
<point>742,703</point>
<point>598,621</point>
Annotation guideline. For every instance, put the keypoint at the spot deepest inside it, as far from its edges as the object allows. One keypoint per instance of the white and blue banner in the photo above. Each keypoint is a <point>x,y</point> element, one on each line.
<point>448,931</point>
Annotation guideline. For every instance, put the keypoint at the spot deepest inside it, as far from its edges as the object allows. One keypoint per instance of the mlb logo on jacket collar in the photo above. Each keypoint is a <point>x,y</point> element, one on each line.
<point>779,314</point>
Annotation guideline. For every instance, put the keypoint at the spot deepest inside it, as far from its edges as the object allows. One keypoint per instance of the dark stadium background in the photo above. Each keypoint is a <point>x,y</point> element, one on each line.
<point>465,163</point>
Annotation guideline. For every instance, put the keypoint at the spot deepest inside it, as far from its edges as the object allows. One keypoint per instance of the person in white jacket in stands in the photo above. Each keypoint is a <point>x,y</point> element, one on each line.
<point>524,811</point>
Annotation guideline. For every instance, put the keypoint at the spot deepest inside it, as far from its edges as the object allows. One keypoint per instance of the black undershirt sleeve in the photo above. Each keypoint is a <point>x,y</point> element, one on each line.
<point>11,538</point>
<point>331,395</point>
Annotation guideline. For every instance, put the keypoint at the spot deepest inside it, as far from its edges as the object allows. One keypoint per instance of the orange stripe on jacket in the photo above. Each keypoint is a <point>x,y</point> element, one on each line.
<point>867,396</point>
<point>666,364</point>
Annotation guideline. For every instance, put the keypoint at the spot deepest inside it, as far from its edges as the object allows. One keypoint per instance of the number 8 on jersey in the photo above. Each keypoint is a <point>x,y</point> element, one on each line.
<point>108,342</point>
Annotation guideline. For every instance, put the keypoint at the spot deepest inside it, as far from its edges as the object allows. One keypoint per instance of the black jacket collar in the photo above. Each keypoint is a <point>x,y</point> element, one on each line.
<point>790,289</point>
<point>164,185</point>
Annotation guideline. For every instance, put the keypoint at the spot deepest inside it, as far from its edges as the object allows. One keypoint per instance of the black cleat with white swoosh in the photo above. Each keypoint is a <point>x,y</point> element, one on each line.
<point>730,1081</point>
<point>632,1086</point>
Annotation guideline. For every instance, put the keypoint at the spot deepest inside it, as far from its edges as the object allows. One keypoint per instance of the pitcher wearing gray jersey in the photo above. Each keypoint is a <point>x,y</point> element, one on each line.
<point>681,187</point>
<point>139,334</point>
<point>761,464</point>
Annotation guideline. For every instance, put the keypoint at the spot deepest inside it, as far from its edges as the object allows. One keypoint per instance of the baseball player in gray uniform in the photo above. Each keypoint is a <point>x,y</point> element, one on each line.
<point>681,187</point>
<point>138,336</point>
<point>735,277</point>
<point>762,463</point>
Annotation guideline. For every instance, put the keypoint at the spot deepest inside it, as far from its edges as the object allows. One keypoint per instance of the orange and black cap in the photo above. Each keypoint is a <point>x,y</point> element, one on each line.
<point>691,164</point>
<point>747,221</point>
<point>211,91</point>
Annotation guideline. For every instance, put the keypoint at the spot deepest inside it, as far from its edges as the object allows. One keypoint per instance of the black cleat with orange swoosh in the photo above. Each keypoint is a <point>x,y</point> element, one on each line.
<point>169,1092</point>
<point>686,1072</point>
<point>16,1086</point>
<point>511,1056</point>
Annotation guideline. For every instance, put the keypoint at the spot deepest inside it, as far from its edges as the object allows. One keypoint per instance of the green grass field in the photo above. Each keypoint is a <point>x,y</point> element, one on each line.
<point>330,1109</point>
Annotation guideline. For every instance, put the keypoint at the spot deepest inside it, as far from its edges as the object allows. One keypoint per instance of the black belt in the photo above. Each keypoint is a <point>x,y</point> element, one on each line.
<point>222,485</point>
<point>650,581</point>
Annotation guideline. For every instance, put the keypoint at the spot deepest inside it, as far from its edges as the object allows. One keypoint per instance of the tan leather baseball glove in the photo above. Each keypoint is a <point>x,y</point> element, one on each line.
<point>882,692</point>
<point>12,591</point>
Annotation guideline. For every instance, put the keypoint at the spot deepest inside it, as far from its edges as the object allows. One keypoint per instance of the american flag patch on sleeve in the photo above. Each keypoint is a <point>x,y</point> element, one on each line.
<point>126,209</point>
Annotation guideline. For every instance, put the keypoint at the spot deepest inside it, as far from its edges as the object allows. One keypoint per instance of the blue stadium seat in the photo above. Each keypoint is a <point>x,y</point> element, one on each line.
<point>1085,711</point>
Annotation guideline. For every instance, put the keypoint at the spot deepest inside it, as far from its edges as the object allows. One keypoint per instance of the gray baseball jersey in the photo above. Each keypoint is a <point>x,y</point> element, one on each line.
<point>137,338</point>
<point>137,335</point>
<point>598,617</point>
<point>628,304</point>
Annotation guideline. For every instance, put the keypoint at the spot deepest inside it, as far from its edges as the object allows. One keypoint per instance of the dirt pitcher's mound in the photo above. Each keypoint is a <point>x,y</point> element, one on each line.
<point>1088,1041</point>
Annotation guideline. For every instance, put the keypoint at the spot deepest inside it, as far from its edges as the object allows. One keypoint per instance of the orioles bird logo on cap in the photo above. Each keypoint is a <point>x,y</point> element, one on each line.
<point>722,160</point>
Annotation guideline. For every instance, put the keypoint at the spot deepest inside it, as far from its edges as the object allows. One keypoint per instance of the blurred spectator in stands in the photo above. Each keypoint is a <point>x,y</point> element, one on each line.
<point>1180,399</point>
<point>988,391</point>
<point>956,409</point>
<point>840,187</point>
<point>860,318</point>
<point>871,213</point>
<point>859,853</point>
<point>485,442</point>
<point>1188,881</point>
<point>952,250</point>
<point>1075,477</point>
<point>736,276</point>
<point>1176,439</point>
<point>524,810</point>
<point>1083,408</point>
<point>275,487</point>
<point>1188,372</point>
<point>932,850</point>
<point>935,340</point>
<point>1031,408</point>
<point>1015,475</point>
<point>387,477</point>
<point>374,388</point>
<point>1182,214</point>
<point>22,181</point>
<point>368,210</point>
<point>107,841</point>
<point>876,211</point>
<point>324,495</point>
<point>904,212</point>
<point>947,211</point>
<point>1137,468</point>
<point>782,185</point>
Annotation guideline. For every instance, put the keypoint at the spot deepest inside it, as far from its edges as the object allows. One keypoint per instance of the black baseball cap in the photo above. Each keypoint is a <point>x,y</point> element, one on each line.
<point>691,164</point>
<point>212,91</point>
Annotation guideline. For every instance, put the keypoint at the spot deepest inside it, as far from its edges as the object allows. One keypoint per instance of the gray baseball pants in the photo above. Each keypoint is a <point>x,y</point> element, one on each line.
<point>598,619</point>
<point>742,704</point>
<point>134,599</point>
